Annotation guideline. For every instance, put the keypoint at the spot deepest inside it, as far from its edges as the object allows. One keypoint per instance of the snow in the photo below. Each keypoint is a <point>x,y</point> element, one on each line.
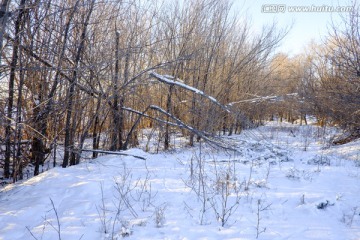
<point>300,194</point>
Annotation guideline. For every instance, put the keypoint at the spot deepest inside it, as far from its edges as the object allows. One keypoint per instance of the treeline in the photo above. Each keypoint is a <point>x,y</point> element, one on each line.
<point>323,81</point>
<point>101,70</point>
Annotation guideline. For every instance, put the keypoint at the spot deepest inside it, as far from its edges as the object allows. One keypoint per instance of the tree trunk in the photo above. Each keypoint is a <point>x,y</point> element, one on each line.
<point>74,153</point>
<point>168,109</point>
<point>116,134</point>
<point>9,114</point>
<point>17,169</point>
<point>3,21</point>
<point>69,108</point>
<point>96,136</point>
<point>122,101</point>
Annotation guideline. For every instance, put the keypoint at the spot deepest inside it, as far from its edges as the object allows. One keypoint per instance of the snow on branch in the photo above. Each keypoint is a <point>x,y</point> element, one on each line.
<point>171,81</point>
<point>266,98</point>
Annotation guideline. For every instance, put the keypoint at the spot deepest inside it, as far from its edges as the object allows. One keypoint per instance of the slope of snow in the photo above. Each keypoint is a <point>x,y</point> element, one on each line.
<point>276,190</point>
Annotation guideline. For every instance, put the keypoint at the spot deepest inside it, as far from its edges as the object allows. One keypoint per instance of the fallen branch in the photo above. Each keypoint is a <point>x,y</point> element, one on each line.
<point>112,152</point>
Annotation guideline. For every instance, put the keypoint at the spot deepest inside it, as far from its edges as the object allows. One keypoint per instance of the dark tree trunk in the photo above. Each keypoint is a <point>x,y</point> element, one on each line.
<point>38,154</point>
<point>17,169</point>
<point>122,101</point>
<point>9,114</point>
<point>69,108</point>
<point>167,126</point>
<point>96,136</point>
<point>116,134</point>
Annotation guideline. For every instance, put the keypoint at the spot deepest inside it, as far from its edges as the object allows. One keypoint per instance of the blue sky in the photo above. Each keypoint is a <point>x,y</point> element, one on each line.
<point>306,26</point>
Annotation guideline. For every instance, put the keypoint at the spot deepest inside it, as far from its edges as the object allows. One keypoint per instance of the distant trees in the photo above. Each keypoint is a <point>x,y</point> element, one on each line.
<point>340,82</point>
<point>323,82</point>
<point>331,83</point>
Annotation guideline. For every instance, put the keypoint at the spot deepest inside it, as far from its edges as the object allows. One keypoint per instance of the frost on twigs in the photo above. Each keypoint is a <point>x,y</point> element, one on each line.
<point>119,215</point>
<point>319,160</point>
<point>293,173</point>
<point>160,216</point>
<point>217,188</point>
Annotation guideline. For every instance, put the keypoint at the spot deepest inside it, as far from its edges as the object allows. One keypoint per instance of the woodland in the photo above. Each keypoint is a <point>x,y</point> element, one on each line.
<point>76,72</point>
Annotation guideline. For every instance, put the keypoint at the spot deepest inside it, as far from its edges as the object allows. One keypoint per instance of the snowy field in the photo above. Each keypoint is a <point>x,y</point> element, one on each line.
<point>283,182</point>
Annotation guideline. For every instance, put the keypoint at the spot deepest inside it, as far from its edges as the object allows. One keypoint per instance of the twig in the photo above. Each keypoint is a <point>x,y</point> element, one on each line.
<point>57,220</point>
<point>31,233</point>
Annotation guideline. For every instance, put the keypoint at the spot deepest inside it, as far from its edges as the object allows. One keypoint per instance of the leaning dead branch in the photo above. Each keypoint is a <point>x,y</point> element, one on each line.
<point>143,114</point>
<point>206,136</point>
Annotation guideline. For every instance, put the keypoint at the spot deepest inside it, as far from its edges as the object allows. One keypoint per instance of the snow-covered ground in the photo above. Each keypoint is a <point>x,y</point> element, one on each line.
<point>284,182</point>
